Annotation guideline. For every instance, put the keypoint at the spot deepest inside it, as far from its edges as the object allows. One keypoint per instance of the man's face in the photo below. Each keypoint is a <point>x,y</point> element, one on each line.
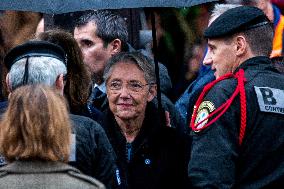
<point>221,55</point>
<point>94,53</point>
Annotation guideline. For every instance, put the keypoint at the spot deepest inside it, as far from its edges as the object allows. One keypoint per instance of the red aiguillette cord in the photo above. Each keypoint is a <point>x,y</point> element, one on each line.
<point>240,76</point>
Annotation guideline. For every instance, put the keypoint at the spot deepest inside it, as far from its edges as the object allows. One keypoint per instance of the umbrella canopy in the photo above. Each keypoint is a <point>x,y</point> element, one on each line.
<point>65,6</point>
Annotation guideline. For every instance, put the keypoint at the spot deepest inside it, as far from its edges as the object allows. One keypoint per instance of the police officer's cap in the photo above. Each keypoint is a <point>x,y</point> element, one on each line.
<point>34,49</point>
<point>236,20</point>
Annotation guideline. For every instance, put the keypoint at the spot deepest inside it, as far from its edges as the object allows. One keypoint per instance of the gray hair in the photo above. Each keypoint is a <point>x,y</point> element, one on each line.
<point>141,61</point>
<point>234,1</point>
<point>42,70</point>
<point>220,9</point>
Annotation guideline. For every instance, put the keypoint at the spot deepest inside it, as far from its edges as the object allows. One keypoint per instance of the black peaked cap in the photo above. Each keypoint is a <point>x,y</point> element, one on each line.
<point>34,49</point>
<point>236,20</point>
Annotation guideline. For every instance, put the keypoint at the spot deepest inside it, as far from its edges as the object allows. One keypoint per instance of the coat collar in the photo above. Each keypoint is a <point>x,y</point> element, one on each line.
<point>258,61</point>
<point>149,131</point>
<point>37,167</point>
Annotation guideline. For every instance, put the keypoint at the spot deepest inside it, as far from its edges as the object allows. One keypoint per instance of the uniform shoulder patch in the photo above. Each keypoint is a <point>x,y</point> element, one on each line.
<point>270,99</point>
<point>205,108</point>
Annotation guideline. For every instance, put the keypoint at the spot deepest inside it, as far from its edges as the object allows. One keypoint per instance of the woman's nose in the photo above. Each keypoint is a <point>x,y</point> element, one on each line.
<point>124,91</point>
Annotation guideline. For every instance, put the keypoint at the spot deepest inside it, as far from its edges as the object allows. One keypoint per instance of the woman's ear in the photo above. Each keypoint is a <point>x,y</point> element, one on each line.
<point>152,92</point>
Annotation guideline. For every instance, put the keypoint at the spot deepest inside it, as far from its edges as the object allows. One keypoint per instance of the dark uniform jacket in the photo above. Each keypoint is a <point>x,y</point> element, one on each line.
<point>48,175</point>
<point>156,159</point>
<point>217,159</point>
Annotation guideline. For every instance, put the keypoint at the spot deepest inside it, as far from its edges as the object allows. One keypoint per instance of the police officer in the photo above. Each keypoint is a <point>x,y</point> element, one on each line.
<point>237,123</point>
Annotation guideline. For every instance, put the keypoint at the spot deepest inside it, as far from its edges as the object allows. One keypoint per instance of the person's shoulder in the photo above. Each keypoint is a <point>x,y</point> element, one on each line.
<point>76,179</point>
<point>224,87</point>
<point>3,173</point>
<point>83,122</point>
<point>59,173</point>
<point>87,129</point>
<point>81,118</point>
<point>86,180</point>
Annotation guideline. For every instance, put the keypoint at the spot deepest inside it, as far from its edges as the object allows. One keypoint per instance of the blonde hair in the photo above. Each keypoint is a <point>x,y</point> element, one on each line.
<point>35,126</point>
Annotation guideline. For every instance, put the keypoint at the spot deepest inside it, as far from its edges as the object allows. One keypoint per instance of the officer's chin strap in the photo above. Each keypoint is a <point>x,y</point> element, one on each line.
<point>240,76</point>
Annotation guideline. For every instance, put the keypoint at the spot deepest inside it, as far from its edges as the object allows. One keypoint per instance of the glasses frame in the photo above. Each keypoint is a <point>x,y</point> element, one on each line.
<point>129,87</point>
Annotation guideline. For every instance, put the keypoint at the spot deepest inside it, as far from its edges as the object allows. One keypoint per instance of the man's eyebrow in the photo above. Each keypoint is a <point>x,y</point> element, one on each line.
<point>86,40</point>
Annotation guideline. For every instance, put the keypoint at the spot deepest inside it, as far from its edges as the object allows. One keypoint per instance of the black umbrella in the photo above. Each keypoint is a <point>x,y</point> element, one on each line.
<point>64,6</point>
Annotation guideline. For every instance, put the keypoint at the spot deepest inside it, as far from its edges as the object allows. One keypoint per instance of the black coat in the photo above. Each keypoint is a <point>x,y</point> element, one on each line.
<point>217,159</point>
<point>157,159</point>
<point>94,154</point>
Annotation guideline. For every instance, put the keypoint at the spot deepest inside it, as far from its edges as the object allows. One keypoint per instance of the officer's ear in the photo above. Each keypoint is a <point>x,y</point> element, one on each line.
<point>241,45</point>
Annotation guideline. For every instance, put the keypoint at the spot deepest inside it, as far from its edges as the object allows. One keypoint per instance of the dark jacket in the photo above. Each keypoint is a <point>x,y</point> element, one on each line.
<point>156,159</point>
<point>36,174</point>
<point>94,153</point>
<point>217,159</point>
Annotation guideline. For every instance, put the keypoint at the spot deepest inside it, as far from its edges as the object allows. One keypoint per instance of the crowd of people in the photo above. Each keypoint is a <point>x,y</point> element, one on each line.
<point>82,110</point>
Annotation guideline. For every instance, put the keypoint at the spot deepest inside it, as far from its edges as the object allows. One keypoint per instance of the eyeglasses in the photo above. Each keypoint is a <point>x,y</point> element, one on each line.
<point>132,86</point>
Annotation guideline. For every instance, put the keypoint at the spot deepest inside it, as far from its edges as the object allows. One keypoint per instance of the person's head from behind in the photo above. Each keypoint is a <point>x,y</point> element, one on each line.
<point>36,62</point>
<point>100,35</point>
<point>35,126</point>
<point>264,5</point>
<point>237,35</point>
<point>78,78</point>
<point>131,84</point>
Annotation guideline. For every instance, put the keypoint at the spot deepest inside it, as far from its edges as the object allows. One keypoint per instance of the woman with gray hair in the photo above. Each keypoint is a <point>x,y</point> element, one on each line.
<point>149,153</point>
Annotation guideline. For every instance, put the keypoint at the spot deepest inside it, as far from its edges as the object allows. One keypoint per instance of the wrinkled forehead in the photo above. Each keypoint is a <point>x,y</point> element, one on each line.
<point>126,71</point>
